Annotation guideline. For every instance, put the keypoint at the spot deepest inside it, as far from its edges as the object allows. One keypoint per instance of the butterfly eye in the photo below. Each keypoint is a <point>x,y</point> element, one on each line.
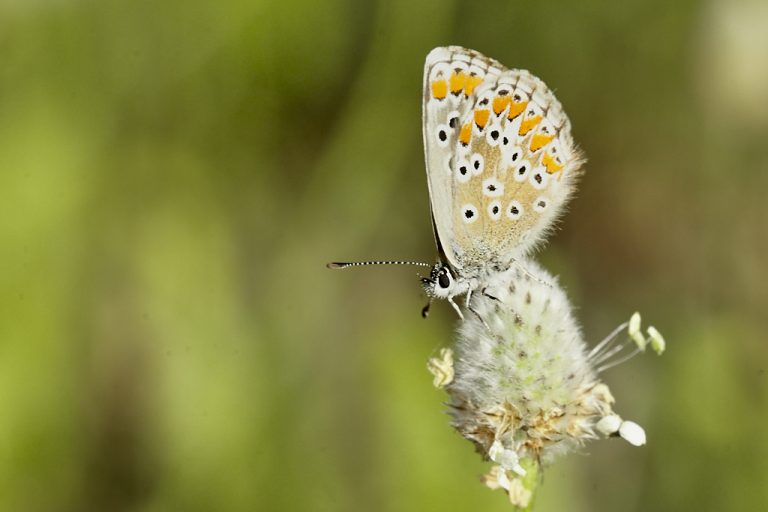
<point>444,280</point>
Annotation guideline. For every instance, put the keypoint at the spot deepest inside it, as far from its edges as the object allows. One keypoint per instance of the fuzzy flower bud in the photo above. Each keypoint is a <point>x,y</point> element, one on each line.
<point>523,387</point>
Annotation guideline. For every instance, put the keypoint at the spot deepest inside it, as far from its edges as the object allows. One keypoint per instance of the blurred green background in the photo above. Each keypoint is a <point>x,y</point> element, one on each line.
<point>174,176</point>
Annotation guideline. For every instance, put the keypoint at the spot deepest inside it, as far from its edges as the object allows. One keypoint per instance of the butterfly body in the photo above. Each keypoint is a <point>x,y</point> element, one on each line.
<point>501,165</point>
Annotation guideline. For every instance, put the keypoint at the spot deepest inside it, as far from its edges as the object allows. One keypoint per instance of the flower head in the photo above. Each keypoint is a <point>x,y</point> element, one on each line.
<point>524,387</point>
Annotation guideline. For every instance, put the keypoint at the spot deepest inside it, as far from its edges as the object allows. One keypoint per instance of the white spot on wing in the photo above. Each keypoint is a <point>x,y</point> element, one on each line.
<point>463,171</point>
<point>514,210</point>
<point>494,134</point>
<point>522,170</point>
<point>540,204</point>
<point>539,178</point>
<point>468,213</point>
<point>511,156</point>
<point>443,135</point>
<point>477,164</point>
<point>494,209</point>
<point>492,187</point>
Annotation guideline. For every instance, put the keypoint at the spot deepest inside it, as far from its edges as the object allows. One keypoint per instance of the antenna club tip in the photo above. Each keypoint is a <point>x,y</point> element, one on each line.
<point>334,264</point>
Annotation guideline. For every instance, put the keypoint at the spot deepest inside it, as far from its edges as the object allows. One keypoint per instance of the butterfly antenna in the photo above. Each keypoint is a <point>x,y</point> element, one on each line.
<point>346,264</point>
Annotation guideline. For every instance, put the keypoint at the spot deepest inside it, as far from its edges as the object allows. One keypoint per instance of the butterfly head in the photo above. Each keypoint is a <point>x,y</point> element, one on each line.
<point>441,282</point>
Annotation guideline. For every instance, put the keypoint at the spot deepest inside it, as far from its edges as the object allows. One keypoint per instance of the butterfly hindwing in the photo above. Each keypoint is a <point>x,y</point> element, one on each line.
<point>509,166</point>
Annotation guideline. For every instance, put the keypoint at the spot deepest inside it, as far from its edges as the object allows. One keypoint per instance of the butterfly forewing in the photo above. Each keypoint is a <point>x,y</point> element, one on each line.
<point>504,170</point>
<point>452,78</point>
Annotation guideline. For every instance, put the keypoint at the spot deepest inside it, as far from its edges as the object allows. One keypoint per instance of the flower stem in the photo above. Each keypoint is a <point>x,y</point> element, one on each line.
<point>530,481</point>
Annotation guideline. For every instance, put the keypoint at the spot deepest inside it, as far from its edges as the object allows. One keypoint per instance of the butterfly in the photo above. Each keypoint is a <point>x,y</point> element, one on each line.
<point>501,165</point>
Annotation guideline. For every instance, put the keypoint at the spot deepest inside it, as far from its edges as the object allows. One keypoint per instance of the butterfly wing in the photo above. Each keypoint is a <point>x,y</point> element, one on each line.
<point>513,166</point>
<point>451,78</point>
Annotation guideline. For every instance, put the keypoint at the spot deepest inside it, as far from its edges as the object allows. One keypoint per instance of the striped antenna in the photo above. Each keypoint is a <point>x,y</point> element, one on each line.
<point>340,264</point>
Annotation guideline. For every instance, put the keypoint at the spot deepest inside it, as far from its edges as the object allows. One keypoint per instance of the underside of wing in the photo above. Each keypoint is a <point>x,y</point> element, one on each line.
<point>519,135</point>
<point>452,77</point>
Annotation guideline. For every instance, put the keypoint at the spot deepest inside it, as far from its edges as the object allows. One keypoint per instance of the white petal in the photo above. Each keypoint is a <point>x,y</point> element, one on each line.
<point>632,433</point>
<point>657,340</point>
<point>495,451</point>
<point>608,424</point>
<point>519,496</point>
<point>507,459</point>
<point>441,368</point>
<point>502,479</point>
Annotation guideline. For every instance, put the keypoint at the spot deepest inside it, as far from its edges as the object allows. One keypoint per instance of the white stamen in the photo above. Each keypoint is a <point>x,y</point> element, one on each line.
<point>502,479</point>
<point>618,361</point>
<point>519,496</point>
<point>606,343</point>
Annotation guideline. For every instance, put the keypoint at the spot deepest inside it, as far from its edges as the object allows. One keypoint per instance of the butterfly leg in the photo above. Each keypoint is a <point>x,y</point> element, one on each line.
<point>482,320</point>
<point>470,308</point>
<point>450,299</point>
<point>425,309</point>
<point>489,295</point>
<point>531,276</point>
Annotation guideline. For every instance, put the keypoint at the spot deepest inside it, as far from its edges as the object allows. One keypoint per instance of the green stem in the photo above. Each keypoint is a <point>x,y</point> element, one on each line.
<point>530,481</point>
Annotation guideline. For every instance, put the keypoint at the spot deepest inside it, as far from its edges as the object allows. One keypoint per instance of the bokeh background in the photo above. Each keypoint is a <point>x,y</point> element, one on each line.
<point>174,176</point>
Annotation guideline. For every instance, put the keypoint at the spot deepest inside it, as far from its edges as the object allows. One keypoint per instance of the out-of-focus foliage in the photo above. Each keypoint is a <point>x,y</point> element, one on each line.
<point>174,175</point>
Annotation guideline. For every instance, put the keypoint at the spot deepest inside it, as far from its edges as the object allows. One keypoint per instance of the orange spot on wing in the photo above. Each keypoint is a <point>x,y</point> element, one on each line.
<point>515,109</point>
<point>481,117</point>
<point>551,164</point>
<point>465,134</point>
<point>457,81</point>
<point>439,89</point>
<point>539,140</point>
<point>472,82</point>
<point>528,124</point>
<point>500,103</point>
